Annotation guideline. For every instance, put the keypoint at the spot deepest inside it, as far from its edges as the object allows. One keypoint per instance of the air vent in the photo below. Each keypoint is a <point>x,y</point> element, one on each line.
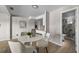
<point>11,8</point>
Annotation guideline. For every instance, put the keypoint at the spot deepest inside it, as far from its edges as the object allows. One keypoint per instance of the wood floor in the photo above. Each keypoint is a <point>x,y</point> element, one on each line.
<point>68,47</point>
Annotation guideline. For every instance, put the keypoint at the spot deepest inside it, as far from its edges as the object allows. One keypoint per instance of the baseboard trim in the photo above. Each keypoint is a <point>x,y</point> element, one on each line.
<point>55,43</point>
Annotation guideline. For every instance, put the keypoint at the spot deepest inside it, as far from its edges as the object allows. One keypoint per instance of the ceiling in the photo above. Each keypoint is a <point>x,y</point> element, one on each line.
<point>3,9</point>
<point>27,10</point>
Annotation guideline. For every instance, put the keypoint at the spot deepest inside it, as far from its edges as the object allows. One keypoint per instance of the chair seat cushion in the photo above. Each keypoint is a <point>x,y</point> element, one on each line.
<point>30,49</point>
<point>42,43</point>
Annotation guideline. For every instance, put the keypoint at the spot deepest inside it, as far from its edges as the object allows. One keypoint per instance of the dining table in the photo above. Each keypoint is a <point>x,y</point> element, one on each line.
<point>25,39</point>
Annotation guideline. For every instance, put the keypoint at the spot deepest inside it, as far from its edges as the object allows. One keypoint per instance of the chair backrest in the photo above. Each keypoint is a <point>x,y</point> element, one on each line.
<point>15,47</point>
<point>47,35</point>
<point>44,41</point>
<point>22,39</point>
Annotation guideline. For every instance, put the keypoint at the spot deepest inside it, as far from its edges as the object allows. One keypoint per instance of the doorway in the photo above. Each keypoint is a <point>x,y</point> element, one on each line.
<point>68,27</point>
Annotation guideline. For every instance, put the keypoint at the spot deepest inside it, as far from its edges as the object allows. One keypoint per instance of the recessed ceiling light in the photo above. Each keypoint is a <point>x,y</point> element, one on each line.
<point>35,6</point>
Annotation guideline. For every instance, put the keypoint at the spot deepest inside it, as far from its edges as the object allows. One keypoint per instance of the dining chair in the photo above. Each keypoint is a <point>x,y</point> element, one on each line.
<point>22,39</point>
<point>18,47</point>
<point>43,43</point>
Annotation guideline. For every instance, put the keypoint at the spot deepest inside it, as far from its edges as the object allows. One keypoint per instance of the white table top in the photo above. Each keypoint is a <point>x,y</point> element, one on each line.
<point>33,39</point>
<point>24,39</point>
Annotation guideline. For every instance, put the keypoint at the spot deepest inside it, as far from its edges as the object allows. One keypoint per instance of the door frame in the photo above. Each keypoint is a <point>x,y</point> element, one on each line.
<point>76,26</point>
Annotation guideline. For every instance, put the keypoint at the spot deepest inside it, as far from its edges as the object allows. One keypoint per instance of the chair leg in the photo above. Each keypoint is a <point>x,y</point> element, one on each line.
<point>37,50</point>
<point>46,49</point>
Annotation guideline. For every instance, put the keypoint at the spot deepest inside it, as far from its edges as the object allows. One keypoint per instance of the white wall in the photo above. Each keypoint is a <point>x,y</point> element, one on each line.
<point>16,26</point>
<point>4,26</point>
<point>30,25</point>
<point>54,26</point>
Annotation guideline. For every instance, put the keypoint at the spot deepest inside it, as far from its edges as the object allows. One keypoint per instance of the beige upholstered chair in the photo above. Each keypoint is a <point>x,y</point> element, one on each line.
<point>22,39</point>
<point>17,47</point>
<point>43,42</point>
